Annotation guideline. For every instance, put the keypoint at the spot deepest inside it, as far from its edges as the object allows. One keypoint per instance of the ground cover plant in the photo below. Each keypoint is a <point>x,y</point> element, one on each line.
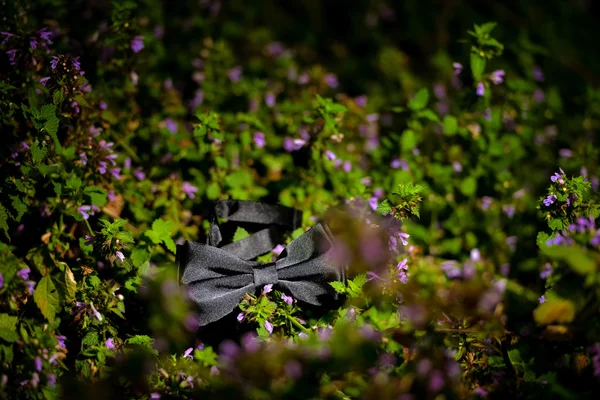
<point>451,147</point>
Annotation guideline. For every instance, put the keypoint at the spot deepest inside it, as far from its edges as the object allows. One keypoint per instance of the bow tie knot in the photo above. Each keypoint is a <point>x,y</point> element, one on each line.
<point>265,274</point>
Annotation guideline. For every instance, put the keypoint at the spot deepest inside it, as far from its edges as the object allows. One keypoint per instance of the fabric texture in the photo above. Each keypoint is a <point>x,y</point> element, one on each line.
<point>218,277</point>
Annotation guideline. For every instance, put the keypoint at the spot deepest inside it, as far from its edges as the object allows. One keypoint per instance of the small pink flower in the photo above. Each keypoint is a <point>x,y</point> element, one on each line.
<point>269,327</point>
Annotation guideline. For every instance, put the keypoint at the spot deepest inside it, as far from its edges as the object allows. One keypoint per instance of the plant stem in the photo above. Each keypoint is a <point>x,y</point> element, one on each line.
<point>125,146</point>
<point>294,321</point>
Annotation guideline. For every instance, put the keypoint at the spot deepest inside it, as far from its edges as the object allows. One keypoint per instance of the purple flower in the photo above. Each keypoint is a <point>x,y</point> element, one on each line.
<point>137,43</point>
<point>30,286</point>
<point>451,269</point>
<point>287,299</point>
<point>6,35</point>
<point>240,317</point>
<point>538,95</point>
<point>480,391</point>
<point>139,174</point>
<point>24,273</point>
<point>331,81</point>
<point>188,353</point>
<point>278,249</point>
<point>330,155</point>
<point>38,364</point>
<point>45,34</point>
<point>538,74</point>
<point>288,144</point>
<point>11,54</point>
<point>347,167</point>
<point>373,203</point>
<point>61,340</point>
<point>372,275</point>
<point>475,255</point>
<point>45,80</point>
<point>436,381</point>
<point>171,125</point>
<point>259,139</point>
<point>457,68</point>
<point>51,380</point>
<point>457,167</point>
<point>54,62</point>
<point>120,255</point>
<point>109,343</point>
<point>293,369</point>
<point>275,49</point>
<point>95,132</point>
<point>395,164</point>
<point>270,99</point>
<point>361,101</point>
<point>298,143</point>
<point>403,236</point>
<point>268,288</point>
<point>546,271</point>
<point>269,327</point>
<point>1,280</point>
<point>76,63</point>
<point>102,105</point>
<point>116,173</point>
<point>480,89</point>
<point>33,43</point>
<point>560,177</point>
<point>549,200</point>
<point>304,78</point>
<point>486,201</point>
<point>509,210</point>
<point>235,74</point>
<point>497,77</point>
<point>542,299</point>
<point>102,167</point>
<point>96,313</point>
<point>189,190</point>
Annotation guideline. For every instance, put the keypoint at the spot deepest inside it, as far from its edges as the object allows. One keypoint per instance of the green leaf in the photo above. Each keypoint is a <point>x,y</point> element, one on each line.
<point>420,100</point>
<point>74,182</point>
<point>240,233</point>
<point>213,191</point>
<point>90,339</point>
<point>19,206</point>
<point>408,140</point>
<point>161,232</point>
<point>38,153</point>
<point>48,111</point>
<point>469,186</point>
<point>143,341</point>
<point>139,256</point>
<point>96,195</point>
<point>46,298</point>
<point>338,286</point>
<point>429,114</point>
<point>4,220</point>
<point>385,207</point>
<point>555,310</point>
<point>450,125</point>
<point>58,97</point>
<point>579,262</point>
<point>477,66</point>
<point>8,328</point>
<point>70,284</point>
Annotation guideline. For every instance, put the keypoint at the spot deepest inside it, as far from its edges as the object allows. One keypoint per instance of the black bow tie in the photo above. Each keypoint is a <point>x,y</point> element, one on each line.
<point>218,277</point>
